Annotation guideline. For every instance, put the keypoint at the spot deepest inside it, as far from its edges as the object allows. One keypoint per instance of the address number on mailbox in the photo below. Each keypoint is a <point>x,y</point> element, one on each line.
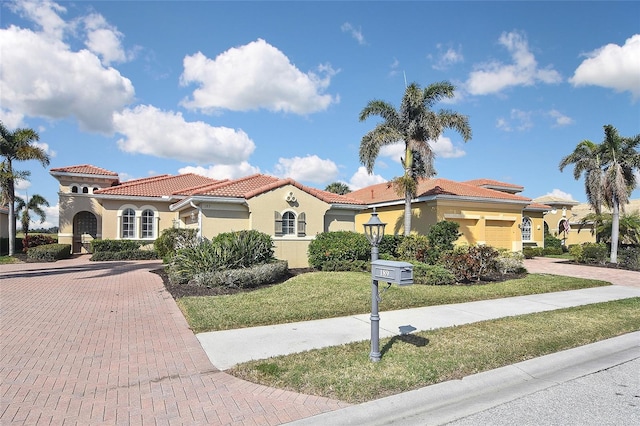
<point>400,273</point>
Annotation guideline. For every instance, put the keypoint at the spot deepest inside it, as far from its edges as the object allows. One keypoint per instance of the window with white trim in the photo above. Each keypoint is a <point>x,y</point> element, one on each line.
<point>290,224</point>
<point>526,228</point>
<point>147,223</point>
<point>128,224</point>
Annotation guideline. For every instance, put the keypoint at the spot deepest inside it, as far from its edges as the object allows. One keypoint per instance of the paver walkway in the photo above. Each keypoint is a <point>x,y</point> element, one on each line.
<point>104,343</point>
<point>549,265</point>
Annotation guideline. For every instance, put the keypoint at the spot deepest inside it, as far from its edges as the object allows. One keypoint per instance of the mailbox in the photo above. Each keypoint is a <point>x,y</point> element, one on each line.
<point>391,271</point>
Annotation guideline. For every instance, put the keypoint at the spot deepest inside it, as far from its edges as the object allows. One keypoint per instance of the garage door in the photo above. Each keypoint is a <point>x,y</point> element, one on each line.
<point>498,233</point>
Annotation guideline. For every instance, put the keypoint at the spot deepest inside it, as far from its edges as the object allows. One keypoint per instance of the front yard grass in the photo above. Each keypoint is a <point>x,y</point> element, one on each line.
<point>424,358</point>
<point>318,295</point>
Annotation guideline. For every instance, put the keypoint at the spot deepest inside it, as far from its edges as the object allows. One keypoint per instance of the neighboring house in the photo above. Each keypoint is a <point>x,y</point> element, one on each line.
<point>95,204</point>
<point>489,212</point>
<point>4,222</point>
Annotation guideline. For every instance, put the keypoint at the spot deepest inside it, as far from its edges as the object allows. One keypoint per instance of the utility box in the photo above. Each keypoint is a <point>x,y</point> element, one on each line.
<point>392,271</point>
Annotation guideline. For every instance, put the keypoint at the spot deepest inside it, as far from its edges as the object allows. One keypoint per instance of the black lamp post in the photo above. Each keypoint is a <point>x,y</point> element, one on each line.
<point>374,230</point>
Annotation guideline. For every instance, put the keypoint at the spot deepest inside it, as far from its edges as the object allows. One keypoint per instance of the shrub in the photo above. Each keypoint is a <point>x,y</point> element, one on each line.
<point>388,247</point>
<point>471,263</point>
<point>629,258</point>
<point>414,247</point>
<point>577,252</point>
<point>49,252</point>
<point>551,251</point>
<point>595,253</point>
<point>230,250</point>
<point>432,274</point>
<point>441,237</point>
<point>341,246</point>
<point>173,239</point>
<point>115,245</point>
<point>551,241</point>
<point>35,240</point>
<point>347,266</point>
<point>242,278</point>
<point>510,262</point>
<point>124,255</point>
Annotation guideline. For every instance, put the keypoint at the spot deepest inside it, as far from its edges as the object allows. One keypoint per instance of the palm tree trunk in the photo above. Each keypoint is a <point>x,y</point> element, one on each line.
<point>12,215</point>
<point>615,230</point>
<point>407,213</point>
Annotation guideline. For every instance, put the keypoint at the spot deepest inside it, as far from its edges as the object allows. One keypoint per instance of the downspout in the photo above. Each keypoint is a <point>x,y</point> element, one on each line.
<point>199,219</point>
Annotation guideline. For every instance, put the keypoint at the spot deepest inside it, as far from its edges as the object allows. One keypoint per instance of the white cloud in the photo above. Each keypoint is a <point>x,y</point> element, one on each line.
<point>45,147</point>
<point>519,120</point>
<point>105,40</point>
<point>361,179</point>
<point>356,33</point>
<point>256,75</point>
<point>443,147</point>
<point>612,66</point>
<point>307,169</point>
<point>150,131</point>
<point>42,77</point>
<point>493,77</point>
<point>560,119</point>
<point>11,119</point>
<point>559,194</point>
<point>223,171</point>
<point>446,58</point>
<point>45,13</point>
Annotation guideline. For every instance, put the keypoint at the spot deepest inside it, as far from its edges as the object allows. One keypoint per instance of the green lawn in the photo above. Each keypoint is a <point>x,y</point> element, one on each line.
<point>420,359</point>
<point>319,295</point>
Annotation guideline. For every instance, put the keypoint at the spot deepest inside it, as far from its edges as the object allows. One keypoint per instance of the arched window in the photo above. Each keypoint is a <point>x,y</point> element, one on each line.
<point>147,223</point>
<point>128,224</point>
<point>74,189</point>
<point>85,190</point>
<point>526,228</point>
<point>288,223</point>
<point>95,188</point>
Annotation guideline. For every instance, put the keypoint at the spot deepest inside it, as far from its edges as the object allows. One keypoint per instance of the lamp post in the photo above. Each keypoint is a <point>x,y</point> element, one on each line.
<point>374,230</point>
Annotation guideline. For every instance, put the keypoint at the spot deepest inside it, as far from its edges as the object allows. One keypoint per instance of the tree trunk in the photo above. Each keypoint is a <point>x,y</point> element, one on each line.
<point>615,230</point>
<point>12,216</point>
<point>407,213</point>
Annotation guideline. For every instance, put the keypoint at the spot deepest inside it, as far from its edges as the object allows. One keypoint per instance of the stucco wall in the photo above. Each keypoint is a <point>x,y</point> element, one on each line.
<point>4,225</point>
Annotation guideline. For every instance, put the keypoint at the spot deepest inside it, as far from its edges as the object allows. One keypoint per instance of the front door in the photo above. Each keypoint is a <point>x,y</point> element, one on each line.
<point>85,229</point>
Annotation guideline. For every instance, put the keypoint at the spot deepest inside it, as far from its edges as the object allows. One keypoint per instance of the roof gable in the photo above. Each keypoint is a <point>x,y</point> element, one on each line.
<point>84,169</point>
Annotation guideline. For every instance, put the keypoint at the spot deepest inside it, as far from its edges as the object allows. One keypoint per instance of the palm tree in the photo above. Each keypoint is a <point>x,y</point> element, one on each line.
<point>34,204</point>
<point>621,159</point>
<point>338,188</point>
<point>609,175</point>
<point>415,124</point>
<point>17,146</point>
<point>586,159</point>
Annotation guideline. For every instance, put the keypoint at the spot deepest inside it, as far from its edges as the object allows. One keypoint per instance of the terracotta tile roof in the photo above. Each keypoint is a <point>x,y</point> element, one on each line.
<point>85,169</point>
<point>385,192</point>
<point>538,206</point>
<point>254,185</point>
<point>158,186</point>
<point>495,184</point>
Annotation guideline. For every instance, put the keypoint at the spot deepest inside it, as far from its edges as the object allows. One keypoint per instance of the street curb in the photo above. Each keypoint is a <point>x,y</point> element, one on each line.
<point>448,401</point>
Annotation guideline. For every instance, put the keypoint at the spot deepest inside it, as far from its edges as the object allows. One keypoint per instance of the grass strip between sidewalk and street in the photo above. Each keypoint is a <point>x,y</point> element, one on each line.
<point>424,358</point>
<point>318,295</point>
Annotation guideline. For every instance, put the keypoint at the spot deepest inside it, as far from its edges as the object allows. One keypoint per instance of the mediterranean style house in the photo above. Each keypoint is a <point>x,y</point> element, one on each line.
<point>93,203</point>
<point>4,222</point>
<point>489,212</point>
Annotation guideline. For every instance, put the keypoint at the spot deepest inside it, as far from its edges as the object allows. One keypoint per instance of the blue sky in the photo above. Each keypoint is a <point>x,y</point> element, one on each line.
<point>228,89</point>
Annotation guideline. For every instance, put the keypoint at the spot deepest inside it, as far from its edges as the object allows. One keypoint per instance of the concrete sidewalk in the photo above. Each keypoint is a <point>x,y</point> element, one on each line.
<point>230,347</point>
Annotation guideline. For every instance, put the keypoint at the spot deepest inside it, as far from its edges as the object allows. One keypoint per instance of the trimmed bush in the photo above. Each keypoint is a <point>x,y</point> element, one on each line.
<point>551,241</point>
<point>432,274</point>
<point>510,262</point>
<point>577,252</point>
<point>35,240</point>
<point>597,253</point>
<point>115,245</point>
<point>330,248</point>
<point>388,247</point>
<point>629,258</point>
<point>552,251</point>
<point>414,247</point>
<point>471,263</point>
<point>49,252</point>
<point>101,256</point>
<point>242,278</point>
<point>442,237</point>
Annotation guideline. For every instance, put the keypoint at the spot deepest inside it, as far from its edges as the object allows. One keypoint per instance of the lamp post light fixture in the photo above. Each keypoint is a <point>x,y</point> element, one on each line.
<point>374,230</point>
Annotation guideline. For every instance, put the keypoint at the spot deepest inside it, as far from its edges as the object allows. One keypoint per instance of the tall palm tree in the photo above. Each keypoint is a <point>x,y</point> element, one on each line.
<point>17,146</point>
<point>609,175</point>
<point>586,160</point>
<point>621,158</point>
<point>34,204</point>
<point>415,124</point>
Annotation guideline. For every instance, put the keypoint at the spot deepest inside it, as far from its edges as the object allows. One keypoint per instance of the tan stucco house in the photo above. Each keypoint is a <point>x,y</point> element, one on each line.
<point>4,222</point>
<point>489,212</point>
<point>95,204</point>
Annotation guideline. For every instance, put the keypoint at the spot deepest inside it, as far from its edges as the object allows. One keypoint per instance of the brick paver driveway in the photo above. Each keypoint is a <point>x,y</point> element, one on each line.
<point>104,343</point>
